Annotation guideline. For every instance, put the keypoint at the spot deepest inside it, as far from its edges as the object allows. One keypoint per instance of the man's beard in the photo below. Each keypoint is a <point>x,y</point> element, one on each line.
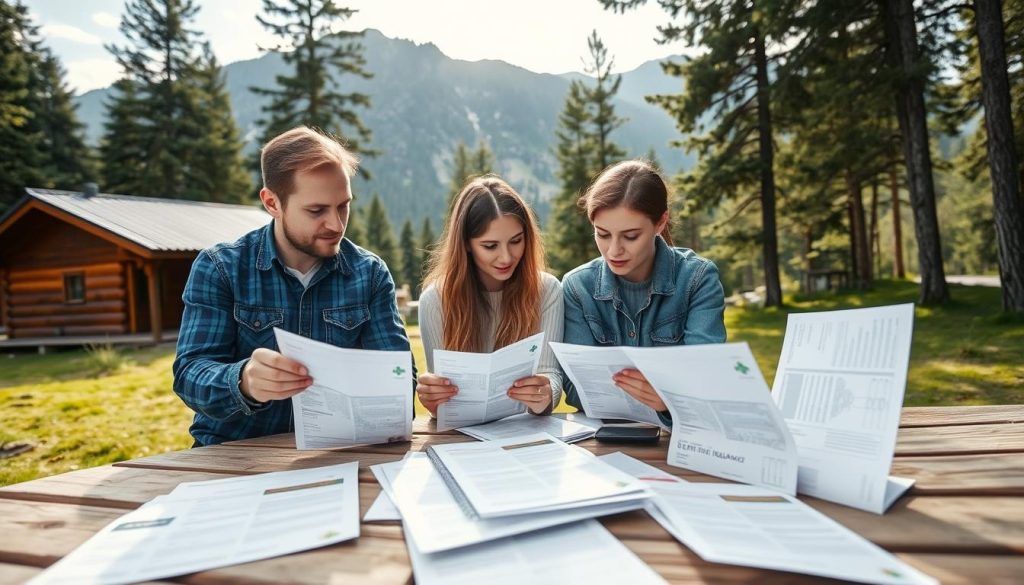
<point>309,249</point>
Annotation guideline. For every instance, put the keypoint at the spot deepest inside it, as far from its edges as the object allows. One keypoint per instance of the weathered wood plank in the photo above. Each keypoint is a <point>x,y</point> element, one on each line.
<point>19,574</point>
<point>418,443</point>
<point>234,460</point>
<point>961,440</point>
<point>977,475</point>
<point>969,570</point>
<point>945,416</point>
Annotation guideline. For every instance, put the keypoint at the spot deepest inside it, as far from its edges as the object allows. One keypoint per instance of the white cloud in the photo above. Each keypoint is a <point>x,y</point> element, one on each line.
<point>106,19</point>
<point>71,33</point>
<point>89,74</point>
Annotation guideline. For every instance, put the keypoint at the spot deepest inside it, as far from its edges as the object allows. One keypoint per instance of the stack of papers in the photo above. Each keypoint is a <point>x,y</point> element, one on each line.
<point>529,473</point>
<point>358,396</point>
<point>526,424</point>
<point>209,524</point>
<point>483,380</point>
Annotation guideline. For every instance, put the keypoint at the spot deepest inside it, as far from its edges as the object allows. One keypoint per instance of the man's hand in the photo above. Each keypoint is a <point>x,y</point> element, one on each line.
<point>533,391</point>
<point>434,391</point>
<point>634,383</point>
<point>271,376</point>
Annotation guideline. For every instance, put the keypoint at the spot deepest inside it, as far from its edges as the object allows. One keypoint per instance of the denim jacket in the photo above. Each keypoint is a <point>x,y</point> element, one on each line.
<point>686,307</point>
<point>238,292</point>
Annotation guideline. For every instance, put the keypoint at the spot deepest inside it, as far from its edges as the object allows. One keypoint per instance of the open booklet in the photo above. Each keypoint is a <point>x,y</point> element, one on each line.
<point>483,380</point>
<point>840,385</point>
<point>724,422</point>
<point>358,396</point>
<point>435,521</point>
<point>570,431</point>
<point>583,552</point>
<point>591,370</point>
<point>527,474</point>
<point>209,524</point>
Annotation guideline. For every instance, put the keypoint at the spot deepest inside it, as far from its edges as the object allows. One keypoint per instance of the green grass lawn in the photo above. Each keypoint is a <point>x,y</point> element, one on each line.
<point>82,409</point>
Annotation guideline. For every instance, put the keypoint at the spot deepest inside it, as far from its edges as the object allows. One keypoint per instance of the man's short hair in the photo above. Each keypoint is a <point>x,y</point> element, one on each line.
<point>301,149</point>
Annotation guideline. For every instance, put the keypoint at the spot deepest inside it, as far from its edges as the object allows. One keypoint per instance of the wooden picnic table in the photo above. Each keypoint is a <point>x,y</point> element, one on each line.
<point>962,522</point>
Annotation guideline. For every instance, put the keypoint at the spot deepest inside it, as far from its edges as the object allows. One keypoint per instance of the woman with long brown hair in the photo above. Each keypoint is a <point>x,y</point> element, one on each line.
<point>486,288</point>
<point>642,291</point>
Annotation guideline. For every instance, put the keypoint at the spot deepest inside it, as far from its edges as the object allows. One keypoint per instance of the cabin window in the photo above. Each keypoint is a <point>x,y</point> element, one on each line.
<point>74,288</point>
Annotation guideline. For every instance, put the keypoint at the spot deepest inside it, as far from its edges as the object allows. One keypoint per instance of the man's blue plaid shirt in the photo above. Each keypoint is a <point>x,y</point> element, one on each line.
<point>238,292</point>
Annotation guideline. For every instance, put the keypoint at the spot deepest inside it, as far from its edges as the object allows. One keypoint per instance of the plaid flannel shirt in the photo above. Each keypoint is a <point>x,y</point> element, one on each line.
<point>238,292</point>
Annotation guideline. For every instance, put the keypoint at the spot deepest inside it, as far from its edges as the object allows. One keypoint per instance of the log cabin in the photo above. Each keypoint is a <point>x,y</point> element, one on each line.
<point>87,264</point>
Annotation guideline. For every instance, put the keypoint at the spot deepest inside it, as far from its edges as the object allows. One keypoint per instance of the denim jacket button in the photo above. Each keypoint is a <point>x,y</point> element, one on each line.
<point>258,323</point>
<point>632,333</point>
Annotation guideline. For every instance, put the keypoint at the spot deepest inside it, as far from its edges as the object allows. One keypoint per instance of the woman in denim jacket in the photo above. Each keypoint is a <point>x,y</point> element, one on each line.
<point>642,291</point>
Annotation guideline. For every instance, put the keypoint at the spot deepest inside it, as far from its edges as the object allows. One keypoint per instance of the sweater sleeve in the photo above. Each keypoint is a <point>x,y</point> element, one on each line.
<point>552,323</point>
<point>431,331</point>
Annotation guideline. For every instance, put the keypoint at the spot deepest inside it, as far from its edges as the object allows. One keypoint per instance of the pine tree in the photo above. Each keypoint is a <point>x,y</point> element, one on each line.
<point>412,261</point>
<point>19,143</point>
<point>354,231</point>
<point>467,164</point>
<point>600,98</point>
<point>319,55</point>
<point>380,239</point>
<point>730,80</point>
<point>166,132</point>
<point>66,162</point>
<point>211,178</point>
<point>569,235</point>
<point>427,242</point>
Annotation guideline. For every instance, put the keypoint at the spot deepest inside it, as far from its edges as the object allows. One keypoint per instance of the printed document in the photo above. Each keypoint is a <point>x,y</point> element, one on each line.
<point>724,422</point>
<point>358,396</point>
<point>591,370</point>
<point>754,527</point>
<point>483,380</point>
<point>526,424</point>
<point>436,522</point>
<point>583,552</point>
<point>840,385</point>
<point>204,525</point>
<point>528,473</point>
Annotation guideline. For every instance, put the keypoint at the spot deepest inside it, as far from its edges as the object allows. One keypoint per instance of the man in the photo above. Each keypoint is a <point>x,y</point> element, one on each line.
<point>299,274</point>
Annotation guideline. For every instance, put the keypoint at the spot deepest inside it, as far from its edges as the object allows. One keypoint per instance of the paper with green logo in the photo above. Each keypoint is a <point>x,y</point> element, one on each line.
<point>358,396</point>
<point>483,380</point>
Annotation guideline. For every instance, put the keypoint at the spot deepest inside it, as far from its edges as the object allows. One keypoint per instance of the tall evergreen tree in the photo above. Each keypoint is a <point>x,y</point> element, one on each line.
<point>354,231</point>
<point>427,242</point>
<point>66,161</point>
<point>732,80</point>
<point>603,118</point>
<point>319,56</point>
<point>570,236</point>
<point>19,142</point>
<point>911,71</point>
<point>380,238</point>
<point>166,131</point>
<point>412,260</point>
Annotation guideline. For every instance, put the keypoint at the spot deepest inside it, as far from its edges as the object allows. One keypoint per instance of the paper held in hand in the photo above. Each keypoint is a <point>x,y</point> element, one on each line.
<point>483,380</point>
<point>358,396</point>
<point>840,386</point>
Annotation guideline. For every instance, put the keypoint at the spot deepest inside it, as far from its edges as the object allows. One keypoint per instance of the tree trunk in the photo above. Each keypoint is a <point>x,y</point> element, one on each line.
<point>859,234</point>
<point>773,287</point>
<point>874,251</point>
<point>898,271</point>
<point>808,247</point>
<point>901,35</point>
<point>1008,206</point>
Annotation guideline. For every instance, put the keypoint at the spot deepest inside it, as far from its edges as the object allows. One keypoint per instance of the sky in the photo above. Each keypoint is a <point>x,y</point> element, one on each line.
<point>545,36</point>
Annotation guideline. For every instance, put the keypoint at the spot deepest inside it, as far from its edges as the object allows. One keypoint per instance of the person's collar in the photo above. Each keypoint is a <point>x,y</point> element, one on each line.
<point>663,275</point>
<point>267,254</point>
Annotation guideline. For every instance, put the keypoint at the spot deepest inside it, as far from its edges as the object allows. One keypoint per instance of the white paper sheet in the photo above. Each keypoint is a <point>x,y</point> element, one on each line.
<point>584,552</point>
<point>754,527</point>
<point>358,396</point>
<point>483,380</point>
<point>525,424</point>
<point>530,473</point>
<point>724,422</point>
<point>382,509</point>
<point>204,525</point>
<point>638,469</point>
<point>436,522</point>
<point>591,370</point>
<point>840,385</point>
